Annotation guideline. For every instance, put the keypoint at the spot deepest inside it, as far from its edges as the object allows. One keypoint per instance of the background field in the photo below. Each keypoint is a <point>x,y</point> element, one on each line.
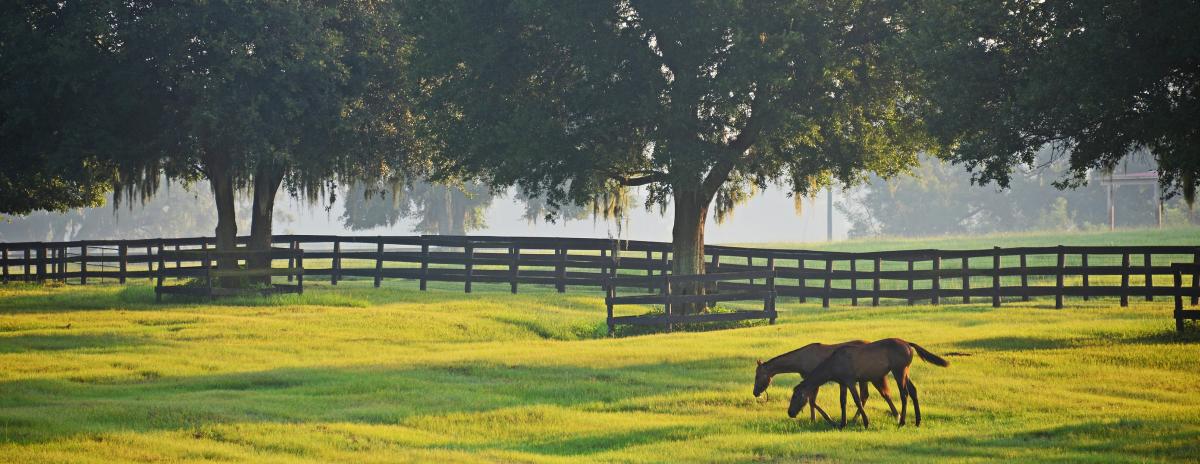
<point>353,373</point>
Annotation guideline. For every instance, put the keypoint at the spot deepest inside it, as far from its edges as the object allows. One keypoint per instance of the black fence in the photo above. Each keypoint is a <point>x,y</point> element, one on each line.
<point>910,276</point>
<point>683,290</point>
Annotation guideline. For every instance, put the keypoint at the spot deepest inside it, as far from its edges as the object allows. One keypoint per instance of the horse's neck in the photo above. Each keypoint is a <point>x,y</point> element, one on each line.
<point>784,364</point>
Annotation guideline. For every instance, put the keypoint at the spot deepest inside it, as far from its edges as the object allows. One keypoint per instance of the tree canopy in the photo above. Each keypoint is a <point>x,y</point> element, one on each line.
<point>695,101</point>
<point>1093,80</point>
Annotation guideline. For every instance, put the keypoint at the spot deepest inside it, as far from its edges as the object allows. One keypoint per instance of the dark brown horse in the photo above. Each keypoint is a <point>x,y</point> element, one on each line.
<point>852,364</point>
<point>804,360</point>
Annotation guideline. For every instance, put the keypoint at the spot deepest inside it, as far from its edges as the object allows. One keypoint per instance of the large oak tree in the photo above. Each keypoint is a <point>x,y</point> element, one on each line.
<point>697,101</point>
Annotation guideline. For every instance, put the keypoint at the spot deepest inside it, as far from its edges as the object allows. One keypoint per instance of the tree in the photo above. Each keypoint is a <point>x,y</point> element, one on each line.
<point>248,95</point>
<point>1093,80</point>
<point>696,101</point>
<point>939,198</point>
<point>439,209</point>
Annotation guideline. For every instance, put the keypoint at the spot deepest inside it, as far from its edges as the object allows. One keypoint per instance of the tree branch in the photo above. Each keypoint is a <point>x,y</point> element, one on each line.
<point>651,178</point>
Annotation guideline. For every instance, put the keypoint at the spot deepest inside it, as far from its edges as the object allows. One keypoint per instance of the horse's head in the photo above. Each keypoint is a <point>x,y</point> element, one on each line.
<point>799,399</point>
<point>762,379</point>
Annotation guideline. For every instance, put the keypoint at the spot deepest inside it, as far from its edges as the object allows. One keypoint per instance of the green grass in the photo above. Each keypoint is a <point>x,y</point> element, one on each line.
<point>360,374</point>
<point>357,374</point>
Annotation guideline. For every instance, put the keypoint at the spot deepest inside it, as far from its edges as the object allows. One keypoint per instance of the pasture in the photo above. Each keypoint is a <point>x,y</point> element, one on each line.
<point>357,374</point>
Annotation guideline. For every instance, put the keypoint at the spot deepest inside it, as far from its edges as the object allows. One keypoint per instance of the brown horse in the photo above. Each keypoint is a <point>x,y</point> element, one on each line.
<point>851,364</point>
<point>804,360</point>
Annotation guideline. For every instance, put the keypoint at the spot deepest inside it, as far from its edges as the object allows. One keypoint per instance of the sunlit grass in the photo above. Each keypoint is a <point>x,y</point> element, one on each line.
<point>353,373</point>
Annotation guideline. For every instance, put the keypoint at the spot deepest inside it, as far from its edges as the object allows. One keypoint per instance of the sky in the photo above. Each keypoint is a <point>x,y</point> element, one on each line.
<point>767,217</point>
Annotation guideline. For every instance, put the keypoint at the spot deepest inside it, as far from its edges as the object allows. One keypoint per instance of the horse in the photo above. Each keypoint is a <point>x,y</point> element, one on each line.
<point>804,360</point>
<point>850,364</point>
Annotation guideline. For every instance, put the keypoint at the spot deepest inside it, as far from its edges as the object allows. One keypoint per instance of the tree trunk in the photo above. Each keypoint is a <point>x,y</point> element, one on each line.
<point>458,213</point>
<point>221,181</point>
<point>266,183</point>
<point>687,242</point>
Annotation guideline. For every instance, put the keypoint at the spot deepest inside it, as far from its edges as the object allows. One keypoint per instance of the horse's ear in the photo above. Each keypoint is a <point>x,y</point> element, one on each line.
<point>760,362</point>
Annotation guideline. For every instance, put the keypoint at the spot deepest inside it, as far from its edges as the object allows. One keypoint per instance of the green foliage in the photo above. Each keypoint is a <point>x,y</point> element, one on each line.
<point>690,99</point>
<point>1095,79</point>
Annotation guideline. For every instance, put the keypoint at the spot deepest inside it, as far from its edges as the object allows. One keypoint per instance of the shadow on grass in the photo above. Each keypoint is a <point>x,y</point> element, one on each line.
<point>39,411</point>
<point>1094,441</point>
<point>95,343</point>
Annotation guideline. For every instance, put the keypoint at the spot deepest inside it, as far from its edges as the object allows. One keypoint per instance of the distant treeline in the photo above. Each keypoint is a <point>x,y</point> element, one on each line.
<point>937,198</point>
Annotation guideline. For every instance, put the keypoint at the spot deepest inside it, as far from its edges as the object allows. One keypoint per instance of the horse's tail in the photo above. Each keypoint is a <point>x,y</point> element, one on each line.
<point>929,357</point>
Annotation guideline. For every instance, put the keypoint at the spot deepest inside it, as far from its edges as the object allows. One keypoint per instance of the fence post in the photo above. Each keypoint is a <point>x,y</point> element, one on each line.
<point>178,257</point>
<point>937,278</point>
<point>609,293</point>
<point>1058,283</point>
<point>162,269</point>
<point>150,262</point>
<point>469,267</point>
<point>603,261</point>
<point>561,271</point>
<point>1196,277</point>
<point>41,262</point>
<point>514,268</point>
<point>716,263</point>
<point>996,277</point>
<point>83,259</point>
<point>1178,275</point>
<point>911,300</point>
<point>649,268</point>
<point>291,257</point>
<point>378,261</point>
<point>28,273</point>
<point>828,282</point>
<point>299,270</point>
<point>424,265</point>
<point>1025,278</point>
<point>875,287</point>
<point>802,282</point>
<point>4,264</point>
<point>1124,279</point>
<point>123,256</point>
<point>1148,261</point>
<point>853,282</point>
<point>966,279</point>
<point>1083,258</point>
<point>666,264</point>
<point>769,303</point>
<point>336,265</point>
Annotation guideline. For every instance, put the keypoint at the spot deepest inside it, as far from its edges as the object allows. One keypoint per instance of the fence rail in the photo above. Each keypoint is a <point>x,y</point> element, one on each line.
<point>937,276</point>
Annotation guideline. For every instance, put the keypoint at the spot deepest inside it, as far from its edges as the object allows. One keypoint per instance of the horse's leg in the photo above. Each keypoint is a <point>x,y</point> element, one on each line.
<point>881,386</point>
<point>912,390</point>
<point>900,375</point>
<point>859,403</point>
<point>812,405</point>
<point>862,391</point>
<point>843,425</point>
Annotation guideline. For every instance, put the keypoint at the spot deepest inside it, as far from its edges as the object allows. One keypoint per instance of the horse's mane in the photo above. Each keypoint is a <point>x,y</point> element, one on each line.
<point>789,353</point>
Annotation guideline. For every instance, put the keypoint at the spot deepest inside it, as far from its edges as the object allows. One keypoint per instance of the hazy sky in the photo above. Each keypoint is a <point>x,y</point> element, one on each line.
<point>769,216</point>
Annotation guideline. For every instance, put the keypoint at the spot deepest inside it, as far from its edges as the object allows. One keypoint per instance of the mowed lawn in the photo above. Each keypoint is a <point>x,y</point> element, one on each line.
<point>357,374</point>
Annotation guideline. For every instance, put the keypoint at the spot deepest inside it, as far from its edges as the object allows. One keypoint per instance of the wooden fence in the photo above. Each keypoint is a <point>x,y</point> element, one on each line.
<point>207,273</point>
<point>910,276</point>
<point>670,296</point>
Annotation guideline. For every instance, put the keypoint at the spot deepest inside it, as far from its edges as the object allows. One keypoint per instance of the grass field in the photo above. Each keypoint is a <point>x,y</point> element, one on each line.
<point>357,374</point>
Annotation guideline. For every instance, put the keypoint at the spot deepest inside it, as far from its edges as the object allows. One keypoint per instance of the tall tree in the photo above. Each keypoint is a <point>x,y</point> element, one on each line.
<point>248,95</point>
<point>697,101</point>
<point>1093,79</point>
